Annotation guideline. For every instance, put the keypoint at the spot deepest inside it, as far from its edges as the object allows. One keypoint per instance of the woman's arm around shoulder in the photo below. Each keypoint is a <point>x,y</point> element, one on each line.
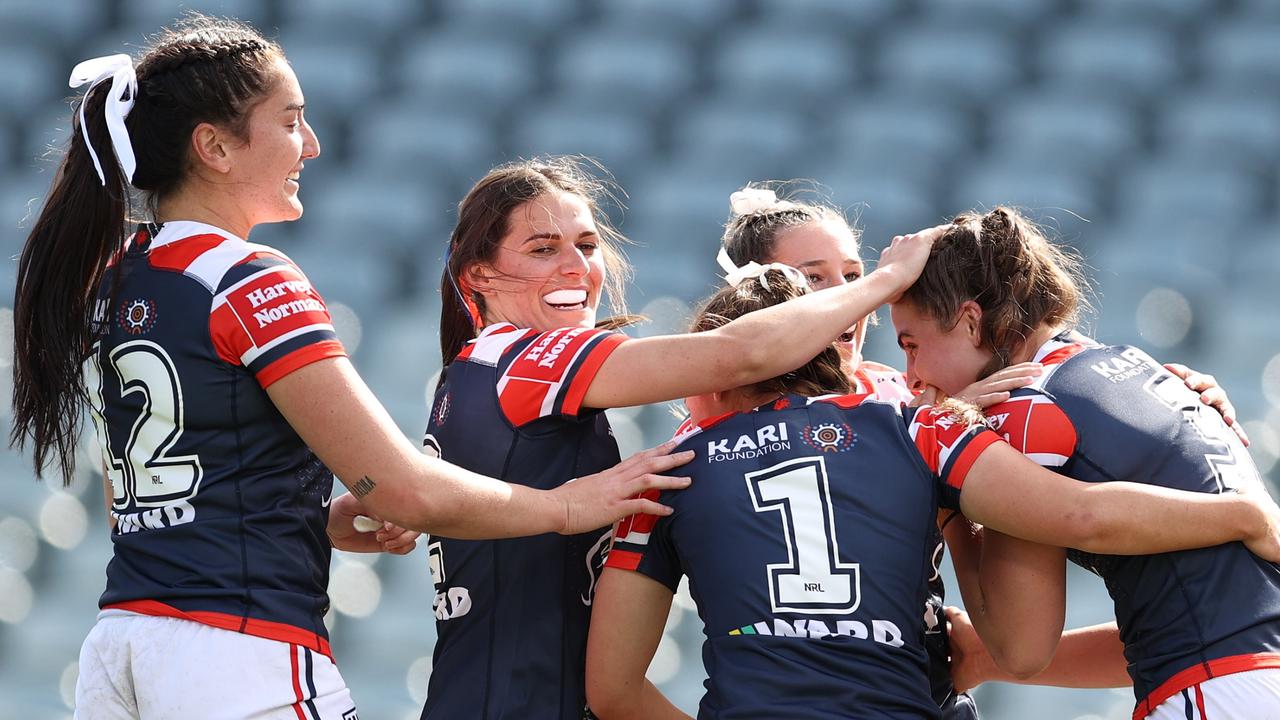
<point>337,416</point>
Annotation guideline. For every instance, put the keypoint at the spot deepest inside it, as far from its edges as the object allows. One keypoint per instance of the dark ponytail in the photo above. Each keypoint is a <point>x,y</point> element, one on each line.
<point>80,227</point>
<point>201,70</point>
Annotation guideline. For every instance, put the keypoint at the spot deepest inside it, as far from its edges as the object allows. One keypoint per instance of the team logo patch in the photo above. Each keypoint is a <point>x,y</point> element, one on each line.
<point>137,316</point>
<point>829,437</point>
<point>441,413</point>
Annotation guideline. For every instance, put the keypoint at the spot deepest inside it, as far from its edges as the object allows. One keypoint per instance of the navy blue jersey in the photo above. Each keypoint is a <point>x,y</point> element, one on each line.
<point>512,615</point>
<point>220,508</point>
<point>807,536</point>
<point>1102,413</point>
<point>889,385</point>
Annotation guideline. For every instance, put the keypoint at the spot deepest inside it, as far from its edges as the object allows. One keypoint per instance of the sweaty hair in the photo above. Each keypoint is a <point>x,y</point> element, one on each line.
<point>1003,262</point>
<point>201,70</point>
<point>484,219</point>
<point>820,376</point>
<point>753,236</point>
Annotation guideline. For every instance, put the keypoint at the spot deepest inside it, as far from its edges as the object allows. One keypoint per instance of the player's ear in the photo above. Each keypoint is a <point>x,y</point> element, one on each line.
<point>971,322</point>
<point>209,146</point>
<point>479,276</point>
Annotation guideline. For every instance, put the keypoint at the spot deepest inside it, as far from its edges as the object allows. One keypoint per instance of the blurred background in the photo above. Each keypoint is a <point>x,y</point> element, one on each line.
<point>1144,133</point>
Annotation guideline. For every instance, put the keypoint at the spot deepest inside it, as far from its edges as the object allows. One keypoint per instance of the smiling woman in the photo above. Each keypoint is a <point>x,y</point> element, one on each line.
<point>527,374</point>
<point>222,398</point>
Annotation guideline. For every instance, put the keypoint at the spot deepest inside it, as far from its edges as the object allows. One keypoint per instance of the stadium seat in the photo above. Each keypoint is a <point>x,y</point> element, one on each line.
<point>65,23</point>
<point>567,125</point>
<point>1065,130</point>
<point>672,16</point>
<point>624,70</point>
<point>1122,59</point>
<point>34,75</point>
<point>1233,125</point>
<point>1178,188</point>
<point>1242,54</point>
<point>160,13</point>
<point>958,61</point>
<point>382,16</point>
<point>1176,11</point>
<point>1015,14</point>
<point>808,64</point>
<point>878,201</point>
<point>338,71</point>
<point>727,126</point>
<point>520,18</point>
<point>468,66</point>
<point>915,133</point>
<point>1055,197</point>
<point>424,137</point>
<point>860,16</point>
<point>365,210</point>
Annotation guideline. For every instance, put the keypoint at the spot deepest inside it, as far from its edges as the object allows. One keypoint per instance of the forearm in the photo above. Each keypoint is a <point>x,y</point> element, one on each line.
<point>1015,592</point>
<point>458,503</point>
<point>1006,491</point>
<point>1088,657</point>
<point>648,703</point>
<point>1135,519</point>
<point>785,336</point>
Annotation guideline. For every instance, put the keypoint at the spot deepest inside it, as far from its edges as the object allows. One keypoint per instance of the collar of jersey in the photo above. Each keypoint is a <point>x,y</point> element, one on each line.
<point>1066,338</point>
<point>176,230</point>
<point>494,329</point>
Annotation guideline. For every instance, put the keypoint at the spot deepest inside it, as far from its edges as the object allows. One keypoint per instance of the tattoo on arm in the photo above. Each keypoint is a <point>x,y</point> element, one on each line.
<point>363,487</point>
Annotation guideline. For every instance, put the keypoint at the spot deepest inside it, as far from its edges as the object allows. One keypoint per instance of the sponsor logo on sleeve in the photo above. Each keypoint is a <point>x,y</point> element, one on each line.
<point>275,303</point>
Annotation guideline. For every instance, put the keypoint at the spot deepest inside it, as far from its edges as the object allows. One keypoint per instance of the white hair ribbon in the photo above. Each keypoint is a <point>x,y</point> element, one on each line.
<point>751,199</point>
<point>735,275</point>
<point>124,81</point>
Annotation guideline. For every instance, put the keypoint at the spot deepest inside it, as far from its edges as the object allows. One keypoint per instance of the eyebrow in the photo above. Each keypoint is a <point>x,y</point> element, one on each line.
<point>556,236</point>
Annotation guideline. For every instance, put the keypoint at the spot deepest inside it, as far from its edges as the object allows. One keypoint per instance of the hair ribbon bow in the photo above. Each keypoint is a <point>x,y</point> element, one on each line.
<point>124,90</point>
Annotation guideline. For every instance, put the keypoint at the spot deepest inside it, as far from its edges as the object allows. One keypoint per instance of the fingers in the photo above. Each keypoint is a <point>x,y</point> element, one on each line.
<point>641,506</point>
<point>650,481</point>
<point>658,463</point>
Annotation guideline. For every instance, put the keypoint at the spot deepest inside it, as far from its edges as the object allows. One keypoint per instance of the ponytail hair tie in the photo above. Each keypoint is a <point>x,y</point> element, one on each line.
<point>123,92</point>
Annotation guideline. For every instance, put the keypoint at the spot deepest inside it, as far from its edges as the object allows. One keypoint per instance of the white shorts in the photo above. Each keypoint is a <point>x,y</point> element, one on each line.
<point>1253,694</point>
<point>143,667</point>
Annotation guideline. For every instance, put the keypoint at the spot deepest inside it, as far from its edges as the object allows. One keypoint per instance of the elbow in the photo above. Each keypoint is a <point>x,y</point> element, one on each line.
<point>1094,530</point>
<point>751,360</point>
<point>1022,660</point>
<point>605,701</point>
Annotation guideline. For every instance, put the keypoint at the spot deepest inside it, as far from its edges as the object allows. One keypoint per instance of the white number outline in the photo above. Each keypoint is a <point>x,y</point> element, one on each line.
<point>137,375</point>
<point>815,469</point>
<point>1228,471</point>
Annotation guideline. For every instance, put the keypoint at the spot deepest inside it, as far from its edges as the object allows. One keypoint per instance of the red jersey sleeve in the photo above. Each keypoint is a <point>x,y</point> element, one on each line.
<point>1034,425</point>
<point>266,317</point>
<point>641,543</point>
<point>948,446</point>
<point>550,376</point>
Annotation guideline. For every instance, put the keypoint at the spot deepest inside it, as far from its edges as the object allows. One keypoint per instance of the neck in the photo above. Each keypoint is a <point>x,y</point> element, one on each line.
<point>200,201</point>
<point>1027,351</point>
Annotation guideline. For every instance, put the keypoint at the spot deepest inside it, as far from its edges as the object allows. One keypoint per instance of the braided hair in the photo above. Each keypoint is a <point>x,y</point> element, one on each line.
<point>1002,261</point>
<point>201,70</point>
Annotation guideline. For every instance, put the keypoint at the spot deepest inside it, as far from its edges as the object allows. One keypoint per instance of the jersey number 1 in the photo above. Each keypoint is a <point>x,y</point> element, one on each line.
<point>813,580</point>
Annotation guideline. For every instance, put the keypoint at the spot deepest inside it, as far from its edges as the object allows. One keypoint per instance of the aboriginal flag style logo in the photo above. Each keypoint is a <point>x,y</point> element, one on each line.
<point>137,316</point>
<point>442,410</point>
<point>829,437</point>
